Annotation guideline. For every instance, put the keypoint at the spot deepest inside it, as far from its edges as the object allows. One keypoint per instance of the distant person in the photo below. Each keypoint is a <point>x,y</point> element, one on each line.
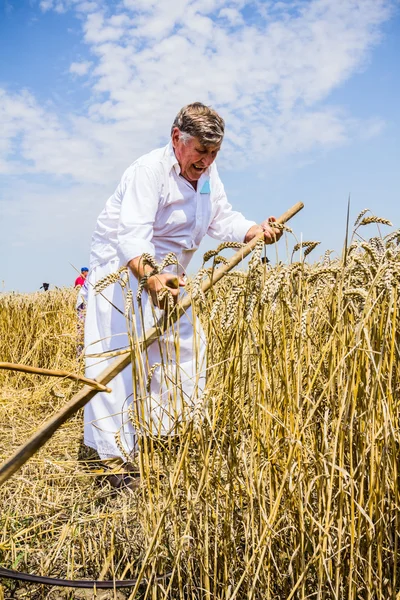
<point>82,277</point>
<point>81,286</point>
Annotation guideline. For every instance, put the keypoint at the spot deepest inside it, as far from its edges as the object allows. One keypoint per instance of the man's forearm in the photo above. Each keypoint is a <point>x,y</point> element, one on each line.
<point>252,232</point>
<point>139,268</point>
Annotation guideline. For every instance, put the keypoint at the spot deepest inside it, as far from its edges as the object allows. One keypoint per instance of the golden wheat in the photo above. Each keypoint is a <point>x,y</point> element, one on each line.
<point>284,484</point>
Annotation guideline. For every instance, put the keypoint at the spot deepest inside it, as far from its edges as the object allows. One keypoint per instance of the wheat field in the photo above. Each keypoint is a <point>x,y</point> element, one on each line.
<point>285,485</point>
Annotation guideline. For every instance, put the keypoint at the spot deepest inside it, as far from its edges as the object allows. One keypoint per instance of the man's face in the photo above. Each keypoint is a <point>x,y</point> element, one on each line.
<point>193,157</point>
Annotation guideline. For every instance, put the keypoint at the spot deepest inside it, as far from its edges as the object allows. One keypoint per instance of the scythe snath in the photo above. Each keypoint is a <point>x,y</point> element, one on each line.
<point>40,437</point>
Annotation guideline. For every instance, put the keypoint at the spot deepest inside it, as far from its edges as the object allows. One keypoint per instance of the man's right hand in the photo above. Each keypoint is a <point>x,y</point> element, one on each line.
<point>157,283</point>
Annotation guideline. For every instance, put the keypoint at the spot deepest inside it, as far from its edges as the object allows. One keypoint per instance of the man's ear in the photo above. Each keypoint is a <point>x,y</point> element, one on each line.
<point>175,136</point>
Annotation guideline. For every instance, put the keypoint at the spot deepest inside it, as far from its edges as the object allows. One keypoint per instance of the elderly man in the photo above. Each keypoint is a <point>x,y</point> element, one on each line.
<point>167,201</point>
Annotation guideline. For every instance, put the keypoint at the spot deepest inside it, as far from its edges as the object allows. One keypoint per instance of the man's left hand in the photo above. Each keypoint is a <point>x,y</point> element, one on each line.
<point>271,233</point>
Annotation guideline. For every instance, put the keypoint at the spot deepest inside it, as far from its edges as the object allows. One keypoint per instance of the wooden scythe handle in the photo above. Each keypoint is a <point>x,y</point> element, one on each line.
<point>40,437</point>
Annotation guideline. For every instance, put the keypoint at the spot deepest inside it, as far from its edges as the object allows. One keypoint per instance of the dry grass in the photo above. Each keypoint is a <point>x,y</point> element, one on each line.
<point>285,485</point>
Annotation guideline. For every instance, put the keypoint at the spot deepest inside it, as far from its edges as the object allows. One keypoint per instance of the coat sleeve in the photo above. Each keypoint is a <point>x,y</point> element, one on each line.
<point>226,224</point>
<point>139,205</point>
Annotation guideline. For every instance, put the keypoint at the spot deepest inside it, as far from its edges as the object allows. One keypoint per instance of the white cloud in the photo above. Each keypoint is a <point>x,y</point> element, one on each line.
<point>232,15</point>
<point>99,30</point>
<point>270,76</point>
<point>46,5</point>
<point>86,7</point>
<point>80,68</point>
<point>61,6</point>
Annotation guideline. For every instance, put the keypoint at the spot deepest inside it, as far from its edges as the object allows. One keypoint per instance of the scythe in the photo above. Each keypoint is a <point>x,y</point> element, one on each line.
<point>40,437</point>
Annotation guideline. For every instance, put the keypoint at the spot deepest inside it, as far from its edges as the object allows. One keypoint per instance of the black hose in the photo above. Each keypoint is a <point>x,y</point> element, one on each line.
<point>107,584</point>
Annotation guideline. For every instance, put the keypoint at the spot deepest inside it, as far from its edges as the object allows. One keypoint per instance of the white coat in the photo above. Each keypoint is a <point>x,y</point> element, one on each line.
<point>154,210</point>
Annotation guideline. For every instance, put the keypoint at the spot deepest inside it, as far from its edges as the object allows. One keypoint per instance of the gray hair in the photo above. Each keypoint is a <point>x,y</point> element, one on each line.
<point>184,136</point>
<point>200,121</point>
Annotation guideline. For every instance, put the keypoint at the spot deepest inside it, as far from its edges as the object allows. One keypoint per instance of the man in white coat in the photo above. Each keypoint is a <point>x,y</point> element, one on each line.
<point>166,201</point>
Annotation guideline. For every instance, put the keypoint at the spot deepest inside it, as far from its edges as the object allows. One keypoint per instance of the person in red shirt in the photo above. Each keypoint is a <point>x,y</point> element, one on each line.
<point>82,277</point>
<point>81,309</point>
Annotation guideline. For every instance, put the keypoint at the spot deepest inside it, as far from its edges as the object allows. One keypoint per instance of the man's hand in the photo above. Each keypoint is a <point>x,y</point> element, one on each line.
<point>271,233</point>
<point>157,283</point>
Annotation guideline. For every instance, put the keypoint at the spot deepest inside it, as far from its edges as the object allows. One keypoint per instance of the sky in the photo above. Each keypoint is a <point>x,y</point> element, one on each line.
<point>309,90</point>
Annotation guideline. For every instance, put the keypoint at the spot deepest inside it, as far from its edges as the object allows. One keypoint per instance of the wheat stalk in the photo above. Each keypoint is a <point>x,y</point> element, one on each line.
<point>372,219</point>
<point>360,216</point>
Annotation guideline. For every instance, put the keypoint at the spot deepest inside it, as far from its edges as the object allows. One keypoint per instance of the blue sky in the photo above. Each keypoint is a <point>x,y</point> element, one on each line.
<point>309,90</point>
